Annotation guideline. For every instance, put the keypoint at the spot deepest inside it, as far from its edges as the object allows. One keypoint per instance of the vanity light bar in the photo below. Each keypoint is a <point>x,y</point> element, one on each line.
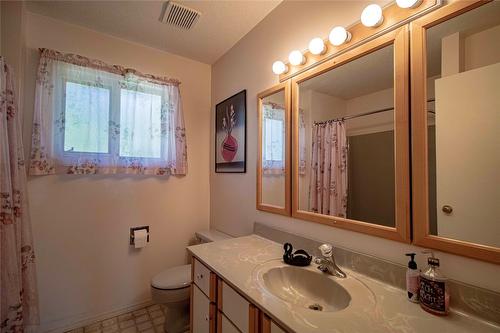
<point>371,17</point>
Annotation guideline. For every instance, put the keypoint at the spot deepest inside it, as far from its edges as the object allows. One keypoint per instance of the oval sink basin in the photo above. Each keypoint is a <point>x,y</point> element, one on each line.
<point>309,289</point>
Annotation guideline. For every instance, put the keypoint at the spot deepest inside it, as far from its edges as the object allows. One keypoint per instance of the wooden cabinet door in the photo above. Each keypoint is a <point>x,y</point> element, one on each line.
<point>200,311</point>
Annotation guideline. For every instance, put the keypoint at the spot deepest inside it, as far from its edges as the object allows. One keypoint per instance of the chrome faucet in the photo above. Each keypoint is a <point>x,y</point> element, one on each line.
<point>326,263</point>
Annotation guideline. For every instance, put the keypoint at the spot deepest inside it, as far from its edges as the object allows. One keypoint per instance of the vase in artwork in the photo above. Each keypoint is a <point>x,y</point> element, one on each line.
<point>229,148</point>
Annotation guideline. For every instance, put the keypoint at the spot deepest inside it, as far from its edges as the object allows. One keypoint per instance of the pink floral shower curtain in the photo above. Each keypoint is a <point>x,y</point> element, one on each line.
<point>328,183</point>
<point>18,293</point>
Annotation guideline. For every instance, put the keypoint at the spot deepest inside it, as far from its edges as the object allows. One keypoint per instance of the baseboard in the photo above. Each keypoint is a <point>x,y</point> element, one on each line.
<point>81,321</point>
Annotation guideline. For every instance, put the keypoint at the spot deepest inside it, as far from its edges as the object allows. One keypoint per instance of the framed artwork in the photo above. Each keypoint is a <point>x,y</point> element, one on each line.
<point>230,134</point>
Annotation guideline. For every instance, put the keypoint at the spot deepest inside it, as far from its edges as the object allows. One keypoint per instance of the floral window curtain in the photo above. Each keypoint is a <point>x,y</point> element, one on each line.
<point>18,292</point>
<point>94,118</point>
<point>328,184</point>
<point>273,153</point>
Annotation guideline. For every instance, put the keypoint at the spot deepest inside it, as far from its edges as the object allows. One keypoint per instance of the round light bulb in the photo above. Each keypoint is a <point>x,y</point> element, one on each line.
<point>296,58</point>
<point>279,67</point>
<point>408,3</point>
<point>339,36</point>
<point>317,46</point>
<point>372,16</point>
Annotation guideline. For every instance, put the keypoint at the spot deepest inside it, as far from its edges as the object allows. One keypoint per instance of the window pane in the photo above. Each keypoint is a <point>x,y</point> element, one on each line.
<point>140,124</point>
<point>86,118</point>
<point>274,140</point>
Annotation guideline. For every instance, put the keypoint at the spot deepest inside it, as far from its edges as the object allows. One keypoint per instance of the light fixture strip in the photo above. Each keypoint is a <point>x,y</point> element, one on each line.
<point>329,53</point>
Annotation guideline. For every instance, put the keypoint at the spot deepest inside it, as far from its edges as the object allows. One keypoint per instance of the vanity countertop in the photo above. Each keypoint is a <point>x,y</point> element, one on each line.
<point>236,260</point>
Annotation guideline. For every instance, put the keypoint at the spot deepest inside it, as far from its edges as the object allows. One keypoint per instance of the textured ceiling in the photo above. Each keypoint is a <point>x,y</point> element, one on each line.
<point>221,25</point>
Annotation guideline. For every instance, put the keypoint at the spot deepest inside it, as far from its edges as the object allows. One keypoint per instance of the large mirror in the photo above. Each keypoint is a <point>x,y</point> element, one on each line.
<point>351,140</point>
<point>273,169</point>
<point>457,126</point>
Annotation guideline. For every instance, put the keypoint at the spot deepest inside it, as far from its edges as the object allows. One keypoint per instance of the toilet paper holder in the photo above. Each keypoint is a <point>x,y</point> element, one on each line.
<point>138,228</point>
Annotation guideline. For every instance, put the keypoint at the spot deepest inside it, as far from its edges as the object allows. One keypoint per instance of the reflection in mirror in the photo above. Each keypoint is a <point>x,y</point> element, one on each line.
<point>463,82</point>
<point>346,140</point>
<point>273,117</point>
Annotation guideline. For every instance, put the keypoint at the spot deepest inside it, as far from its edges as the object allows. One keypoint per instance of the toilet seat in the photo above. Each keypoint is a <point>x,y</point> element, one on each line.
<point>178,277</point>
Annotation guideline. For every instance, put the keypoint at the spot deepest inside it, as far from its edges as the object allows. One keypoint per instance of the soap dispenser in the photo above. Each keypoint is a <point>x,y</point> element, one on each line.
<point>434,294</point>
<point>412,279</point>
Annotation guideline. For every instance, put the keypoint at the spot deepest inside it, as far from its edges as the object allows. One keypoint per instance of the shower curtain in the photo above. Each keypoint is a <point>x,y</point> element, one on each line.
<point>328,183</point>
<point>18,293</point>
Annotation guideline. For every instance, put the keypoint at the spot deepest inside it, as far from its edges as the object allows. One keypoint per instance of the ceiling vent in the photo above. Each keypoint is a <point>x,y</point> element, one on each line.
<point>178,15</point>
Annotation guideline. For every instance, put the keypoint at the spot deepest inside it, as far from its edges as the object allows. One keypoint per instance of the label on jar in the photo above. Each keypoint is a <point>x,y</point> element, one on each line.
<point>432,294</point>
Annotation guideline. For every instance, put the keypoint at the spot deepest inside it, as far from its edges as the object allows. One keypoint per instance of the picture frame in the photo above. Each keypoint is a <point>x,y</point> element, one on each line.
<point>230,134</point>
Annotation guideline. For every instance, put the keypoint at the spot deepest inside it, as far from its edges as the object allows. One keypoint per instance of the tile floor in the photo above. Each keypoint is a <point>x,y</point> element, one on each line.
<point>147,320</point>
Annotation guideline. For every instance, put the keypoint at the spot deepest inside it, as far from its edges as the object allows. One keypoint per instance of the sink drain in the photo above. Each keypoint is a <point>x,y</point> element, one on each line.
<point>316,307</point>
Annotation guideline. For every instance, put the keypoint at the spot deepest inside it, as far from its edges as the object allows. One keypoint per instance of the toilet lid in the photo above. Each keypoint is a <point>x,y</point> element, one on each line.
<point>173,278</point>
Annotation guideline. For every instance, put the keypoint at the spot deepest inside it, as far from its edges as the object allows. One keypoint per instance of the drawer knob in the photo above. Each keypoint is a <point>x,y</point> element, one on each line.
<point>206,318</point>
<point>199,276</point>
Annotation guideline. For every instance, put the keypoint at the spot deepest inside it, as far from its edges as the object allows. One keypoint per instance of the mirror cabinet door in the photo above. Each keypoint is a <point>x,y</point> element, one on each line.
<point>350,139</point>
<point>273,168</point>
<point>456,126</point>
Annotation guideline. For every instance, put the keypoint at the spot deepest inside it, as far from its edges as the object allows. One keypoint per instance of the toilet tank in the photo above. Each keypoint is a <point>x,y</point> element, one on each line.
<point>211,235</point>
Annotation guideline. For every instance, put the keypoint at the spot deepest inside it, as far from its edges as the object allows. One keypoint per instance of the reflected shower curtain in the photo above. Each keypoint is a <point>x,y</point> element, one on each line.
<point>18,294</point>
<point>328,183</point>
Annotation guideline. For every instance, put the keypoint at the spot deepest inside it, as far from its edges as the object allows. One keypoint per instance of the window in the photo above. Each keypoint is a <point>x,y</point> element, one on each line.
<point>86,117</point>
<point>87,122</point>
<point>140,124</point>
<point>90,120</point>
<point>273,139</point>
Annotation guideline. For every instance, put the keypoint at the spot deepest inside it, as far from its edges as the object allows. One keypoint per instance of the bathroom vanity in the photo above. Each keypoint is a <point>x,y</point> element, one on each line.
<point>242,285</point>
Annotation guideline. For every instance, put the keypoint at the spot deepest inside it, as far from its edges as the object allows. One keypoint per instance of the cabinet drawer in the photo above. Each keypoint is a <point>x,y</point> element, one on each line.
<point>201,311</point>
<point>235,307</point>
<point>201,277</point>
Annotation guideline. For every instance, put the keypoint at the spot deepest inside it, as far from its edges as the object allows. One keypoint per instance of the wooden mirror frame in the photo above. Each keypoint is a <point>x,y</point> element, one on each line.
<point>401,231</point>
<point>422,236</point>
<point>285,86</point>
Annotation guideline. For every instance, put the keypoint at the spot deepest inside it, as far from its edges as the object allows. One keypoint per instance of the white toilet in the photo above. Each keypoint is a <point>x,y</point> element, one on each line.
<point>170,288</point>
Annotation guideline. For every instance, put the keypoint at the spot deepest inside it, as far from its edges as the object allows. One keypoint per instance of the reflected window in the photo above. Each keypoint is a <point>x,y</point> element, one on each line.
<point>273,138</point>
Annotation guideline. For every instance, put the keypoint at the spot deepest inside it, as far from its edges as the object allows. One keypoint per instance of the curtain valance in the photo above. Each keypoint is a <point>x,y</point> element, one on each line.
<point>79,60</point>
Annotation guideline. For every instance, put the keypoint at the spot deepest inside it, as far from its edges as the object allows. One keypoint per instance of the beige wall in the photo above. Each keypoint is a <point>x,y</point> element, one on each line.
<point>248,66</point>
<point>81,223</point>
<point>480,49</point>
